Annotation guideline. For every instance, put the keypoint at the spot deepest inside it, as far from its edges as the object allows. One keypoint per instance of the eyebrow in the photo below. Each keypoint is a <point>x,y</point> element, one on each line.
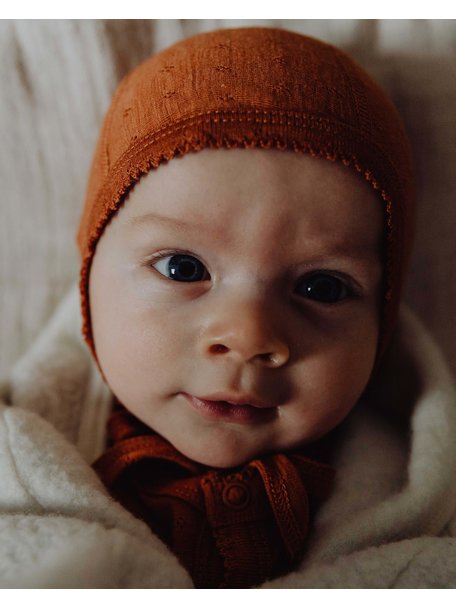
<point>140,220</point>
<point>355,253</point>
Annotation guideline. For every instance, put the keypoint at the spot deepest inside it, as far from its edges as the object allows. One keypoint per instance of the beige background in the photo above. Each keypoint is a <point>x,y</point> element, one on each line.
<point>56,81</point>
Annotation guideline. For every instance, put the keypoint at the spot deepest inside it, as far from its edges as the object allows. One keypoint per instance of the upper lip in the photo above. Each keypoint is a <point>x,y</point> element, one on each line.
<point>236,399</point>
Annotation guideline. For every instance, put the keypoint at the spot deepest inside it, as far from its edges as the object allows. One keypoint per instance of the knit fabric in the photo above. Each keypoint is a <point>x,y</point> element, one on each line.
<point>229,528</point>
<point>253,87</point>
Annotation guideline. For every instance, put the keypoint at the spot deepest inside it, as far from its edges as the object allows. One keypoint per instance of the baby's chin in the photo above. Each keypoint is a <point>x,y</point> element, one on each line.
<point>227,445</point>
<point>219,457</point>
<point>217,452</point>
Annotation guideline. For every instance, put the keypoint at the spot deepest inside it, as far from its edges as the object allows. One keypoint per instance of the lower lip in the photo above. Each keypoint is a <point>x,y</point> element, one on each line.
<point>221,410</point>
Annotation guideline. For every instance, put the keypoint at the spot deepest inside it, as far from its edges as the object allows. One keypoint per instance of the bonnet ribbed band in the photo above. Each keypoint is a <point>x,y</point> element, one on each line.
<point>247,88</point>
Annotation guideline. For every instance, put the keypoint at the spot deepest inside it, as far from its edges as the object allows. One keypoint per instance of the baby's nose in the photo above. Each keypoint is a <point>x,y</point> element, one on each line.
<point>245,331</point>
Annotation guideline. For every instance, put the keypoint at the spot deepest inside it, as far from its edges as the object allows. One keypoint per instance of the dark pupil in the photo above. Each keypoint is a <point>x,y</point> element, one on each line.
<point>185,268</point>
<point>324,288</point>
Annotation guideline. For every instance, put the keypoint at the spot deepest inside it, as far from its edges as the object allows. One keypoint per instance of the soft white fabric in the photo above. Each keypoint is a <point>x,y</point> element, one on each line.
<point>389,523</point>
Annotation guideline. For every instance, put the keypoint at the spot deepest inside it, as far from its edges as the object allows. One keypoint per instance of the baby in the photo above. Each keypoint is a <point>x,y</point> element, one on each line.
<point>248,221</point>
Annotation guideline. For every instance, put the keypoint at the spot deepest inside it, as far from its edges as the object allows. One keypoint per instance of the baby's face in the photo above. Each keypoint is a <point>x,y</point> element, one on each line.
<point>242,276</point>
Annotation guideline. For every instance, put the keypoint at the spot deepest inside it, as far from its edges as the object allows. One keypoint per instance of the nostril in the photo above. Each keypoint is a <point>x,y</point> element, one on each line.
<point>218,348</point>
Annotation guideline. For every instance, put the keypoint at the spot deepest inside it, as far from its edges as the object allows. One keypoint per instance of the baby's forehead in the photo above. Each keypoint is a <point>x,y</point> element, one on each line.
<point>233,195</point>
<point>231,171</point>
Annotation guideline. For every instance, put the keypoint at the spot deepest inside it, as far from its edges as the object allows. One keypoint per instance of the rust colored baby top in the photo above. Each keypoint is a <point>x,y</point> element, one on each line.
<point>229,528</point>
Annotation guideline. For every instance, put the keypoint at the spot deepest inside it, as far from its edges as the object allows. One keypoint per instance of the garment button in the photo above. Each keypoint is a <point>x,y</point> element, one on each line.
<point>236,495</point>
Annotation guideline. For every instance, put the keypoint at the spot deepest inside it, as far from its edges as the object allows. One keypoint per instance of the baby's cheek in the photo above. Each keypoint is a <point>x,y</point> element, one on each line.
<point>313,420</point>
<point>352,375</point>
<point>330,388</point>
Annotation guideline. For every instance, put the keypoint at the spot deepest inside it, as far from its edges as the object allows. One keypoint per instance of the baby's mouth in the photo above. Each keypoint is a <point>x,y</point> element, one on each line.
<point>230,411</point>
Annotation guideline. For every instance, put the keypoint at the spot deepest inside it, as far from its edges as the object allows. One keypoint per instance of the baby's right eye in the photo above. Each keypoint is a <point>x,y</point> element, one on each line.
<point>181,267</point>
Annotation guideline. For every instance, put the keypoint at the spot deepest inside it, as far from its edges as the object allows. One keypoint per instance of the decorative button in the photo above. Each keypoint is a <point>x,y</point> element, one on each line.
<point>236,495</point>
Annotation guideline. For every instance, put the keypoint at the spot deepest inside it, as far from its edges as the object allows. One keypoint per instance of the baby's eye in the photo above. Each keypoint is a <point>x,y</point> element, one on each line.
<point>323,287</point>
<point>181,267</point>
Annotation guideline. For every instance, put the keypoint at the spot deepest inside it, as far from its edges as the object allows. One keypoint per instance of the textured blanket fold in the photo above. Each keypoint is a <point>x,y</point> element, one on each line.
<point>390,521</point>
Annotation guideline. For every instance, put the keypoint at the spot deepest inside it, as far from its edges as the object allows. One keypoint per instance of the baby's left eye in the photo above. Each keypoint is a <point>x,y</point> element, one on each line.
<point>323,287</point>
<point>182,267</point>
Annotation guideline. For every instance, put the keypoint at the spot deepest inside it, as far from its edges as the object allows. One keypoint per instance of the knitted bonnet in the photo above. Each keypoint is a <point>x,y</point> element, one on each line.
<point>253,87</point>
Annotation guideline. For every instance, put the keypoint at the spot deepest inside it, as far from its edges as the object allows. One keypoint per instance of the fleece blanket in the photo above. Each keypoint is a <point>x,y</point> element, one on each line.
<point>390,522</point>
